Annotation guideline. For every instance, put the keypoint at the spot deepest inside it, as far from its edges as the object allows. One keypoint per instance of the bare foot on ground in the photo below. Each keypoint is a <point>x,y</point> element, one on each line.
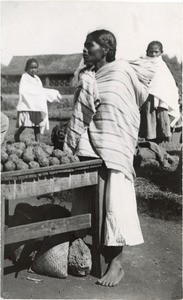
<point>114,275</point>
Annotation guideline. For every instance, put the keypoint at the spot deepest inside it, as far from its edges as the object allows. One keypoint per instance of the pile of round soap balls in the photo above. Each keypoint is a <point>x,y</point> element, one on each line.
<point>32,155</point>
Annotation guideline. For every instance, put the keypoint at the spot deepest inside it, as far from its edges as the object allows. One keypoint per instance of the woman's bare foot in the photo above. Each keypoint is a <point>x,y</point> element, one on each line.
<point>114,274</point>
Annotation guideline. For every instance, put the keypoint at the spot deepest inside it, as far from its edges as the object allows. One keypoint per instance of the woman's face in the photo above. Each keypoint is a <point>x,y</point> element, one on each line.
<point>92,53</point>
<point>33,68</point>
<point>154,51</point>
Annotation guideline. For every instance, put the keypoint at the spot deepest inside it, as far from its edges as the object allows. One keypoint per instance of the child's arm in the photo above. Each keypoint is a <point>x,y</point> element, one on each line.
<point>52,95</point>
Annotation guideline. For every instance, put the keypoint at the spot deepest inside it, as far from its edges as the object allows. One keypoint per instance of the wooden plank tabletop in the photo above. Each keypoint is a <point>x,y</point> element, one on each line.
<point>51,170</point>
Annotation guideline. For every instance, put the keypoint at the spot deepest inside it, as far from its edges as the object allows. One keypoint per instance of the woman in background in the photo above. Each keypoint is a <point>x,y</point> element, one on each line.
<point>161,110</point>
<point>32,106</point>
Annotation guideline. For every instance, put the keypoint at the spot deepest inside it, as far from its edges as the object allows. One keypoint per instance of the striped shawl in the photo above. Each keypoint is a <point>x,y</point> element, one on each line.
<point>113,130</point>
<point>85,99</point>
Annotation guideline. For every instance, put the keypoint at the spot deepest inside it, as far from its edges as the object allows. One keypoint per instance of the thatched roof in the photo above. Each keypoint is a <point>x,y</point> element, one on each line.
<point>2,66</point>
<point>48,64</point>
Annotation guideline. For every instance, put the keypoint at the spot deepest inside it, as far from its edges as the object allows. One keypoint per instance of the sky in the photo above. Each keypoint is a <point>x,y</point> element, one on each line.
<point>60,27</point>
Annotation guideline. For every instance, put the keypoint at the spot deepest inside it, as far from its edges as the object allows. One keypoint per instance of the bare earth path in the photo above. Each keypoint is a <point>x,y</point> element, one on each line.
<point>152,271</point>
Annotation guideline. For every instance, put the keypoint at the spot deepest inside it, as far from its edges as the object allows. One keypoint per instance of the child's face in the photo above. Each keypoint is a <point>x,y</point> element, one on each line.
<point>154,51</point>
<point>33,68</point>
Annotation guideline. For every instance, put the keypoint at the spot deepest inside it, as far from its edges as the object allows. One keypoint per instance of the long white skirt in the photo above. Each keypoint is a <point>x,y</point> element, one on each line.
<point>122,225</point>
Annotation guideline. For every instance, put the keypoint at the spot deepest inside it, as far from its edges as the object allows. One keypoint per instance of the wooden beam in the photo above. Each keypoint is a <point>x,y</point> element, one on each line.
<point>52,170</point>
<point>47,228</point>
<point>30,188</point>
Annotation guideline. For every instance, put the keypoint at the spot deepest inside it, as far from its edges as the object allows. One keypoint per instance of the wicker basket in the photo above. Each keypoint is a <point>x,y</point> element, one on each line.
<point>52,261</point>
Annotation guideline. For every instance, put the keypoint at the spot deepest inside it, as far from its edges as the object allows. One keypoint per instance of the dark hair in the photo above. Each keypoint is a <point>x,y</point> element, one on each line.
<point>159,44</point>
<point>58,135</point>
<point>29,61</point>
<point>105,39</point>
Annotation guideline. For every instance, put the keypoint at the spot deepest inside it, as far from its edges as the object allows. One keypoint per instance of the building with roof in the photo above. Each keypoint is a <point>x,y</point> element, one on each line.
<point>55,71</point>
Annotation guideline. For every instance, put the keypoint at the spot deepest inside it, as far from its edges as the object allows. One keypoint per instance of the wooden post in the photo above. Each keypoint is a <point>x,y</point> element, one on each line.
<point>81,204</point>
<point>7,204</point>
<point>2,240</point>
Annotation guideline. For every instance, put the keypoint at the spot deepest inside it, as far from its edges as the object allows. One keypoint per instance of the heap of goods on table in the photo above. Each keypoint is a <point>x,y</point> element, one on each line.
<point>28,154</point>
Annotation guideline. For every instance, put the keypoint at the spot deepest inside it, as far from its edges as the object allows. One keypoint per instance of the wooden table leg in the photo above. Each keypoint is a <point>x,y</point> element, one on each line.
<point>81,204</point>
<point>2,240</point>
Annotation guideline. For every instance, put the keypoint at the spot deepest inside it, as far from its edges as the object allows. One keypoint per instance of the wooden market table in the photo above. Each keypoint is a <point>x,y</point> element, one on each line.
<point>22,184</point>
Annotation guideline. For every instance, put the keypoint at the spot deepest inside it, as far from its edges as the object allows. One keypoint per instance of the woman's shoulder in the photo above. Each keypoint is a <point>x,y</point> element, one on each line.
<point>120,63</point>
<point>27,79</point>
<point>23,77</point>
<point>37,77</point>
<point>26,75</point>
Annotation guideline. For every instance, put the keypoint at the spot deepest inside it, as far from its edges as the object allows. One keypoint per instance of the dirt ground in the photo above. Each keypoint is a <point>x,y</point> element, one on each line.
<point>152,271</point>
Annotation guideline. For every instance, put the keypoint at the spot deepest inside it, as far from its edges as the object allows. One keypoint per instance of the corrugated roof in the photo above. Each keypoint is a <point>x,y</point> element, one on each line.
<point>48,64</point>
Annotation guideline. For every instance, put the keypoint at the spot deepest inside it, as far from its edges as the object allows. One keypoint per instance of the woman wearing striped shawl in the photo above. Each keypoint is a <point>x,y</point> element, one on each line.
<point>110,132</point>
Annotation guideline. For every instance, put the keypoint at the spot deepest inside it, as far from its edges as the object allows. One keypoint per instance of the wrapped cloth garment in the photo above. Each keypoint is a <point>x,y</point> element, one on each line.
<point>86,97</point>
<point>113,127</point>
<point>111,133</point>
<point>155,122</point>
<point>122,225</point>
<point>164,90</point>
<point>161,111</point>
<point>161,84</point>
<point>144,69</point>
<point>4,126</point>
<point>33,98</point>
<point>29,119</point>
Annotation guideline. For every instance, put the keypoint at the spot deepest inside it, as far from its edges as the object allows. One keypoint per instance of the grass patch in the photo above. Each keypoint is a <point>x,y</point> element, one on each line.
<point>159,190</point>
<point>157,203</point>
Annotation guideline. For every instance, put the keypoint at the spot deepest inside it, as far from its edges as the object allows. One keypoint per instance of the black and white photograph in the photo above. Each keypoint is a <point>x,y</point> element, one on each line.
<point>91,149</point>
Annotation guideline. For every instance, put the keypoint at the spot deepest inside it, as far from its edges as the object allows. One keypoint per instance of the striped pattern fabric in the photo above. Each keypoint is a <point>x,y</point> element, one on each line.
<point>4,122</point>
<point>85,99</point>
<point>114,128</point>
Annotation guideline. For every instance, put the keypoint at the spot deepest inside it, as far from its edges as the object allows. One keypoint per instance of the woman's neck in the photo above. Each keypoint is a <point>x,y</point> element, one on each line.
<point>100,64</point>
